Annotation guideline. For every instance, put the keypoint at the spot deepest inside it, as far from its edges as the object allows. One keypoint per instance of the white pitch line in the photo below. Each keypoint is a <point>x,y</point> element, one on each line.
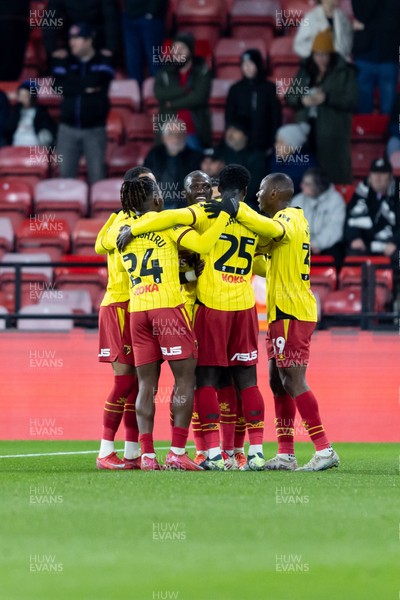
<point>72,453</point>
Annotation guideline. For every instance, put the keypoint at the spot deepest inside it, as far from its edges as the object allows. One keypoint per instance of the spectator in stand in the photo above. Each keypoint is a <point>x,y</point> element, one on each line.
<point>253,100</point>
<point>4,111</point>
<point>327,99</point>
<point>14,34</point>
<point>182,89</point>
<point>376,51</point>
<point>171,162</point>
<point>327,15</point>
<point>102,16</point>
<point>234,149</point>
<point>28,123</point>
<point>84,78</point>
<point>394,129</point>
<point>143,26</point>
<point>373,214</point>
<point>325,211</point>
<point>292,155</point>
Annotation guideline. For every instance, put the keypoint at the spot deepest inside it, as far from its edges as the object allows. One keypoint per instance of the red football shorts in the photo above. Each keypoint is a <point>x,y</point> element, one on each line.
<point>114,334</point>
<point>162,334</point>
<point>288,342</point>
<point>226,338</point>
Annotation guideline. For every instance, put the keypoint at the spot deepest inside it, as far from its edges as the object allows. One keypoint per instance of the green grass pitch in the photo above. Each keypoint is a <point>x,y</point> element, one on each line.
<point>71,532</point>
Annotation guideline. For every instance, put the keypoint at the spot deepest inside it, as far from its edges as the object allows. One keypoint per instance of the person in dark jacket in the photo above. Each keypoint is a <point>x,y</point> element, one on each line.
<point>326,96</point>
<point>143,26</point>
<point>182,88</point>
<point>234,149</point>
<point>29,124</point>
<point>376,51</point>
<point>373,214</point>
<point>84,78</point>
<point>102,16</point>
<point>171,162</point>
<point>14,34</point>
<point>253,99</point>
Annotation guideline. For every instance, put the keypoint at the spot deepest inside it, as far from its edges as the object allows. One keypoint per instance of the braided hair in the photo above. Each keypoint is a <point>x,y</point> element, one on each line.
<point>134,194</point>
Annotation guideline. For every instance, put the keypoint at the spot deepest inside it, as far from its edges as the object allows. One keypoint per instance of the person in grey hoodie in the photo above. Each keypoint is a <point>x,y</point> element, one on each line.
<point>325,211</point>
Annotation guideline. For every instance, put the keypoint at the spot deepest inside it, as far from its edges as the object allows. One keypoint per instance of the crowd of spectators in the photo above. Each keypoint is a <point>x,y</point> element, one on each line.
<point>348,65</point>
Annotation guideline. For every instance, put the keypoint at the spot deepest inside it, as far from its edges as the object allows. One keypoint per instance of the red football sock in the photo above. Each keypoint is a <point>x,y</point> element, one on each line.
<point>240,427</point>
<point>228,404</point>
<point>285,412</point>
<point>114,405</point>
<point>307,406</point>
<point>209,415</point>
<point>253,411</point>
<point>130,422</point>
<point>199,440</point>
<point>146,443</point>
<point>179,437</point>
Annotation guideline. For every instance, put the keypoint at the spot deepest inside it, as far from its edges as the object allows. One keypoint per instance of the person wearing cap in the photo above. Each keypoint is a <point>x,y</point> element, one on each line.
<point>182,88</point>
<point>292,156</point>
<point>327,15</point>
<point>254,100</point>
<point>143,24</point>
<point>373,214</point>
<point>325,96</point>
<point>84,79</point>
<point>29,124</point>
<point>102,16</point>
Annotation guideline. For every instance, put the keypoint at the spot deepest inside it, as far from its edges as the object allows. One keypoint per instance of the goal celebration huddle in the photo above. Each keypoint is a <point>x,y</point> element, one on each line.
<point>179,289</point>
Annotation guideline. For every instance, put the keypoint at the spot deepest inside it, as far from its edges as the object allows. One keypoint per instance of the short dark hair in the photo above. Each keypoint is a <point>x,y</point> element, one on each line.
<point>319,177</point>
<point>135,172</point>
<point>234,177</point>
<point>134,193</point>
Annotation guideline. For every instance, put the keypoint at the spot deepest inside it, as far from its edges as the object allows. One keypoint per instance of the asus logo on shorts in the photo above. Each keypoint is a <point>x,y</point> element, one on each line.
<point>104,353</point>
<point>173,351</point>
<point>245,356</point>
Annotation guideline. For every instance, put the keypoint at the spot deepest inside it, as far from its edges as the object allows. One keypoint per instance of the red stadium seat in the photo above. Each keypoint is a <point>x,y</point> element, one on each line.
<point>3,311</point>
<point>43,235</point>
<point>45,324</point>
<point>227,55</point>
<point>219,92</point>
<point>105,196</point>
<point>351,276</point>
<point>361,157</point>
<point>15,200</point>
<point>204,18</point>
<point>281,53</point>
<point>139,128</point>
<point>121,158</point>
<point>24,160</point>
<point>84,235</point>
<point>150,102</point>
<point>65,198</point>
<point>369,128</point>
<point>125,93</point>
<point>114,127</point>
<point>6,234</point>
<point>341,302</point>
<point>32,278</point>
<point>218,126</point>
<point>395,162</point>
<point>79,301</point>
<point>323,276</point>
<point>254,18</point>
<point>92,279</point>
<point>347,191</point>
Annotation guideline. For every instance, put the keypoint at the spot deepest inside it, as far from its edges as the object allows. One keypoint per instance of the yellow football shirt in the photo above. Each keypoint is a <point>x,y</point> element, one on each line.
<point>118,281</point>
<point>151,260</point>
<point>288,263</point>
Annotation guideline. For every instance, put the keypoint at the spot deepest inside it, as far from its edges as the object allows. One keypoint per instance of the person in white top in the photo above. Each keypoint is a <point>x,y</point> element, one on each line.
<point>327,15</point>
